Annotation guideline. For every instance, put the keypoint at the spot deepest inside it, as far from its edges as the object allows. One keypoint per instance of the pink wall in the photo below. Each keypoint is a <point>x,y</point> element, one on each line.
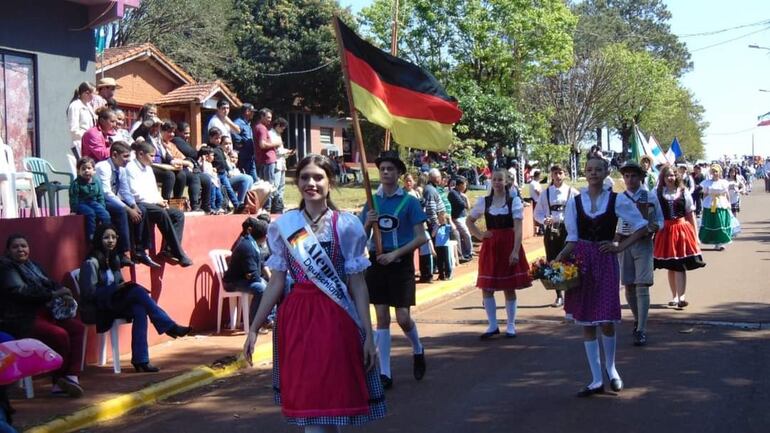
<point>189,295</point>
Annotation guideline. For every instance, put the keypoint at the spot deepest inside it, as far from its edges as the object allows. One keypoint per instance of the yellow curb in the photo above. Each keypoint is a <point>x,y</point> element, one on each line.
<point>119,406</point>
<point>203,375</point>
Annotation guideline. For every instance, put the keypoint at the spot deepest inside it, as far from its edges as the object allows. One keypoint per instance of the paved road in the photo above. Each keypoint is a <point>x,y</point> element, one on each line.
<point>692,377</point>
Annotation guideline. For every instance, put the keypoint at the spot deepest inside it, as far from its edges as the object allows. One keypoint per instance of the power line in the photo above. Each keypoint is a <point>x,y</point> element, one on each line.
<point>730,40</point>
<point>281,74</point>
<point>728,29</point>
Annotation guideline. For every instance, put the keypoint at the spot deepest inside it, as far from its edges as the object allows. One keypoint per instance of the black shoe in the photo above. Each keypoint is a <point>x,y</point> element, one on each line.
<point>587,392</point>
<point>488,335</point>
<point>70,387</point>
<point>616,385</point>
<point>426,280</point>
<point>387,382</point>
<point>559,302</point>
<point>177,331</point>
<point>419,365</point>
<point>640,338</point>
<point>510,335</point>
<point>144,259</point>
<point>145,367</point>
<point>185,261</point>
<point>125,262</point>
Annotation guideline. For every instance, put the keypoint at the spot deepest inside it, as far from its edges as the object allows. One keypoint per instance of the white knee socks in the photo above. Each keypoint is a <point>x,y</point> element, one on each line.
<point>643,305</point>
<point>382,339</point>
<point>491,308</point>
<point>414,338</point>
<point>609,356</point>
<point>510,309</point>
<point>594,362</point>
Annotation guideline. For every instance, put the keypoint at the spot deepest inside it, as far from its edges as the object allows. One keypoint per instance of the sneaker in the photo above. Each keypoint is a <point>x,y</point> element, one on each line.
<point>559,302</point>
<point>69,386</point>
<point>419,365</point>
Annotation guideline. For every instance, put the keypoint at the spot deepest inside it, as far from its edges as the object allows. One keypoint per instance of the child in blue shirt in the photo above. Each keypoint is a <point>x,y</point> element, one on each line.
<point>442,233</point>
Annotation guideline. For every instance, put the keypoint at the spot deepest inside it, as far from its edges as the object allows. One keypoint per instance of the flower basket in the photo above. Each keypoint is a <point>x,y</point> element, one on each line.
<point>564,285</point>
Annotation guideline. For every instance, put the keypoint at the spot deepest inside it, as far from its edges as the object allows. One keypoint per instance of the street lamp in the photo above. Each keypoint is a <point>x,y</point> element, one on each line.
<point>764,90</point>
<point>759,47</point>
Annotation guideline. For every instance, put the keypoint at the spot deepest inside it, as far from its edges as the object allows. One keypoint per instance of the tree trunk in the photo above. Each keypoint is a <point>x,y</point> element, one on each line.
<point>599,138</point>
<point>625,132</point>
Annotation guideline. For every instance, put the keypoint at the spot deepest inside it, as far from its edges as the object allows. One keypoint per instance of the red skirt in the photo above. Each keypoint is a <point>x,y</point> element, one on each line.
<point>676,247</point>
<point>495,273</point>
<point>320,357</point>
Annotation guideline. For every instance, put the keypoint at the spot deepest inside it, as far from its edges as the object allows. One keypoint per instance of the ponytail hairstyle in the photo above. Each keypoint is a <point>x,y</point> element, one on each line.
<point>84,87</point>
<point>506,178</point>
<point>324,164</point>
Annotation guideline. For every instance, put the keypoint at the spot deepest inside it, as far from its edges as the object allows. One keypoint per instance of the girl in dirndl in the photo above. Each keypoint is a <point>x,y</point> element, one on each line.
<point>324,362</point>
<point>502,262</point>
<point>676,247</point>
<point>591,218</point>
<point>715,226</point>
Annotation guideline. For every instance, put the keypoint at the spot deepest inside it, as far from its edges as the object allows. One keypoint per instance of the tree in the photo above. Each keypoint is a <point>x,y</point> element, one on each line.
<point>278,36</point>
<point>683,119</point>
<point>641,85</point>
<point>642,25</point>
<point>191,32</point>
<point>485,50</point>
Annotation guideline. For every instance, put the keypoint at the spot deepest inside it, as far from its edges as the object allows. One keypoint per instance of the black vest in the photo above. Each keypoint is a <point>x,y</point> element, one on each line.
<point>672,209</point>
<point>600,228</point>
<point>498,221</point>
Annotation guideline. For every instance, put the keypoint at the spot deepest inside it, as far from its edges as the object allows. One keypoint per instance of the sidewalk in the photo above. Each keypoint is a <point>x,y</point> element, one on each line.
<point>185,363</point>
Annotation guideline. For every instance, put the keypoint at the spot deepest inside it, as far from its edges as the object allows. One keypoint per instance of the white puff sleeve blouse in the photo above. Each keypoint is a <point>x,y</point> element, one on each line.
<point>350,233</point>
<point>517,208</point>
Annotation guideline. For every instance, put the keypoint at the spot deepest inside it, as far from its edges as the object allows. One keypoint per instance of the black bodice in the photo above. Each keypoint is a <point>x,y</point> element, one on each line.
<point>599,228</point>
<point>498,221</point>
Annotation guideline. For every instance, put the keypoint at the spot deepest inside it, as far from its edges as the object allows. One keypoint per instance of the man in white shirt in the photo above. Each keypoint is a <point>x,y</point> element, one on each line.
<point>549,211</point>
<point>120,203</point>
<point>221,121</point>
<point>170,221</point>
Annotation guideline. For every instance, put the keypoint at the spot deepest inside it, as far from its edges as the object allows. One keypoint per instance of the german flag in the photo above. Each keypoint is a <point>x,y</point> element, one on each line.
<point>398,95</point>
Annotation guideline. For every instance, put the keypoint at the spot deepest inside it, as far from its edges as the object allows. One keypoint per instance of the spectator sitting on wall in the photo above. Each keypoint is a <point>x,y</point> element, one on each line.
<point>206,159</point>
<point>149,132</point>
<point>170,221</point>
<point>241,182</point>
<point>95,140</point>
<point>121,133</point>
<point>182,167</point>
<point>87,197</point>
<point>148,111</point>
<point>182,142</point>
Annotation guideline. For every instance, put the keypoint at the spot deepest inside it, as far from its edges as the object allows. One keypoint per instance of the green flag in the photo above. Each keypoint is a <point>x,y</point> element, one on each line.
<point>637,149</point>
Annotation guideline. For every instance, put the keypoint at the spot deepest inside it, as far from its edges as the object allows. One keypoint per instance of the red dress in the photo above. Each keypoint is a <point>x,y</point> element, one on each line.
<point>495,272</point>
<point>676,247</point>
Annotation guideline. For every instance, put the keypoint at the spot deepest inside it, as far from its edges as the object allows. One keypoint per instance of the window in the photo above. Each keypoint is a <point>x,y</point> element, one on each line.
<point>17,105</point>
<point>327,136</point>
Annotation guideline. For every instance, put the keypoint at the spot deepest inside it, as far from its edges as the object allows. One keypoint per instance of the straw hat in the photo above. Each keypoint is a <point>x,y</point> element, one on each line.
<point>107,82</point>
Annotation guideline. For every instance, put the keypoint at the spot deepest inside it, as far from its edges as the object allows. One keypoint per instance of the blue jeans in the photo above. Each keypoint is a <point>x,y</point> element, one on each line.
<point>142,307</point>
<point>242,184</point>
<point>217,198</point>
<point>249,167</point>
<point>120,219</point>
<point>280,186</point>
<point>93,210</point>
<point>267,173</point>
<point>255,288</point>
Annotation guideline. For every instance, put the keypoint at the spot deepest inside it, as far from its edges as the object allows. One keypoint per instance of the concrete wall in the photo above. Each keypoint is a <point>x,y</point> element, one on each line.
<point>64,58</point>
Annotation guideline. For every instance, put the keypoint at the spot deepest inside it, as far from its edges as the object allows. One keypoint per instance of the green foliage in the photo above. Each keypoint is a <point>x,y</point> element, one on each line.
<point>547,154</point>
<point>682,117</point>
<point>191,32</point>
<point>274,36</point>
<point>642,25</point>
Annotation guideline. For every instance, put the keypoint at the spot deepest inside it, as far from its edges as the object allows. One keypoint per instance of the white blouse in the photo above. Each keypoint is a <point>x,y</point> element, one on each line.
<point>624,209</point>
<point>715,190</point>
<point>81,118</point>
<point>350,233</point>
<point>517,208</point>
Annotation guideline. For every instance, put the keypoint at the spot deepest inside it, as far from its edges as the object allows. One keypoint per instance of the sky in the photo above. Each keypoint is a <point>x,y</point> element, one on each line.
<point>726,78</point>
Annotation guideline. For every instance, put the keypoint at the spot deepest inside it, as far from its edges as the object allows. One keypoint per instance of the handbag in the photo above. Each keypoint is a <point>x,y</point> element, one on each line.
<point>63,307</point>
<point>181,204</point>
<point>256,197</point>
<point>25,358</point>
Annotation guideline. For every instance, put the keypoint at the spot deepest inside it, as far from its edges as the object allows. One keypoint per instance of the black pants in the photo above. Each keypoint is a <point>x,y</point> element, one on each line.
<point>442,262</point>
<point>170,222</point>
<point>198,188</point>
<point>554,240</point>
<point>167,180</point>
<point>426,267</point>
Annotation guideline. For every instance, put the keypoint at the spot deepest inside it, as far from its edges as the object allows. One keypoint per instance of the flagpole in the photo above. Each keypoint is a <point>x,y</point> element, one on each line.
<point>393,51</point>
<point>357,131</point>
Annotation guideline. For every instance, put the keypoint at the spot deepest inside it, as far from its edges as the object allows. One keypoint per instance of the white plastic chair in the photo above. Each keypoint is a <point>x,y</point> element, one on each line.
<point>219,260</point>
<point>11,182</point>
<point>26,385</point>
<point>102,337</point>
